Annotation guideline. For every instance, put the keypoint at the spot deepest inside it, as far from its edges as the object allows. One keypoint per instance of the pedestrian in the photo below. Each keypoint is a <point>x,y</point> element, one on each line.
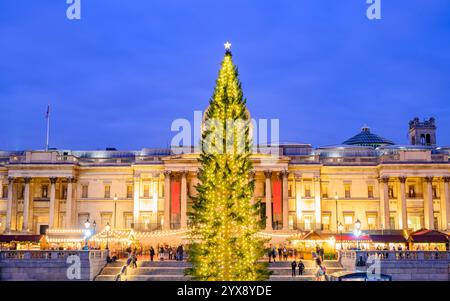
<point>321,271</point>
<point>280,254</point>
<point>134,261</point>
<point>293,266</point>
<point>274,254</point>
<point>161,253</point>
<point>301,267</point>
<point>152,253</point>
<point>285,254</point>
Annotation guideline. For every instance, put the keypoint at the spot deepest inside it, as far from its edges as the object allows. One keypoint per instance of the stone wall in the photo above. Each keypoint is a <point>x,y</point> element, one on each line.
<point>51,265</point>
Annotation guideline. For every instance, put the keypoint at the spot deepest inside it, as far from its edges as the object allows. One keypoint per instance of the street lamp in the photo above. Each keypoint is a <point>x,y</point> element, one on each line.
<point>357,230</point>
<point>340,228</point>
<point>87,233</point>
<point>336,198</point>
<point>94,225</point>
<point>115,209</point>
<point>107,229</point>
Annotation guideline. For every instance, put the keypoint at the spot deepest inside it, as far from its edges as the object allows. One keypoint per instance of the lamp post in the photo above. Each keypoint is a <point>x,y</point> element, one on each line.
<point>87,225</point>
<point>336,198</point>
<point>357,230</point>
<point>115,209</point>
<point>107,229</point>
<point>94,225</point>
<point>340,228</point>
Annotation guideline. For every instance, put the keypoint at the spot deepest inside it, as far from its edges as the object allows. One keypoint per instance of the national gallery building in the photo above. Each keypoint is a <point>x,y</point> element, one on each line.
<point>367,178</point>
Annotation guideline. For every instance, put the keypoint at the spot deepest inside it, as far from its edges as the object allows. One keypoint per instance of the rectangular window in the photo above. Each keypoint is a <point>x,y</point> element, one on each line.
<point>325,191</point>
<point>326,221</point>
<point>392,222</point>
<point>307,191</point>
<point>370,191</point>
<point>5,191</point>
<point>372,220</point>
<point>308,222</point>
<point>84,191</point>
<point>391,192</point>
<point>348,194</point>
<point>411,191</point>
<point>435,194</point>
<point>129,191</point>
<point>290,189</point>
<point>348,221</point>
<point>44,191</point>
<point>146,191</point>
<point>106,218</point>
<point>436,222</point>
<point>107,191</point>
<point>82,218</point>
<point>64,192</point>
<point>128,220</point>
<point>21,192</point>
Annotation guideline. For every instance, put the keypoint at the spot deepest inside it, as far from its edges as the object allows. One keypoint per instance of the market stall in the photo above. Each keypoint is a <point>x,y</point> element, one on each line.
<point>22,242</point>
<point>428,240</point>
<point>65,239</point>
<point>305,247</point>
<point>388,241</point>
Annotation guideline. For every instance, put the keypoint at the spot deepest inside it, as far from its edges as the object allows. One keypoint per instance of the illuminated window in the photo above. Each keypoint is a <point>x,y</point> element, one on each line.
<point>146,191</point>
<point>307,191</point>
<point>392,222</point>
<point>82,218</point>
<point>348,194</point>
<point>326,221</point>
<point>411,191</point>
<point>5,191</point>
<point>325,191</point>
<point>372,221</point>
<point>64,192</point>
<point>107,191</point>
<point>106,217</point>
<point>129,191</point>
<point>435,193</point>
<point>370,191</point>
<point>308,221</point>
<point>84,191</point>
<point>44,191</point>
<point>128,220</point>
<point>348,221</point>
<point>391,192</point>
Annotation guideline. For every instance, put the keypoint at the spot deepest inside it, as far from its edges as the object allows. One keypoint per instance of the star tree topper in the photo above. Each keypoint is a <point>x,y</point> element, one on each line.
<point>227,46</point>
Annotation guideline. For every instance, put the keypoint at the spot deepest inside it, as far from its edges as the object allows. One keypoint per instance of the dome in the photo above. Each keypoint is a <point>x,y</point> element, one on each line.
<point>366,138</point>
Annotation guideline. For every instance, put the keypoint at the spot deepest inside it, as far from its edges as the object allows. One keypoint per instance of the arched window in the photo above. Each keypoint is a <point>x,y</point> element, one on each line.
<point>422,139</point>
<point>428,139</point>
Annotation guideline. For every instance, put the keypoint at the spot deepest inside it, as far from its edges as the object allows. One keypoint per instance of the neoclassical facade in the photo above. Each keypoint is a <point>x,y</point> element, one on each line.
<point>384,185</point>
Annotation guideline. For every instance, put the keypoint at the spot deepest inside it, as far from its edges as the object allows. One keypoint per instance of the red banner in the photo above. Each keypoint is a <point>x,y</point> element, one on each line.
<point>175,188</point>
<point>277,197</point>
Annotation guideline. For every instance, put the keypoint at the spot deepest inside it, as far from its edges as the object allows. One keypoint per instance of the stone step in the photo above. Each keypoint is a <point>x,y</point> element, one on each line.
<point>111,270</point>
<point>105,278</point>
<point>156,271</point>
<point>290,278</point>
<point>152,264</point>
<point>156,278</point>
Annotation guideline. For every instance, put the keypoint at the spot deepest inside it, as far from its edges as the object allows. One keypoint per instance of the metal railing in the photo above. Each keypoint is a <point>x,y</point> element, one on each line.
<point>50,255</point>
<point>360,257</point>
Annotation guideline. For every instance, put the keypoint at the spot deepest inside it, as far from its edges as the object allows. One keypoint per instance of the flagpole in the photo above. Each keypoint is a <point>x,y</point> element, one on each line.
<point>48,127</point>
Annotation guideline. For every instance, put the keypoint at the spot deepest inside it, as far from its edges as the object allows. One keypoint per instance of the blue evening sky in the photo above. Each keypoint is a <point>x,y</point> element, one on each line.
<point>120,75</point>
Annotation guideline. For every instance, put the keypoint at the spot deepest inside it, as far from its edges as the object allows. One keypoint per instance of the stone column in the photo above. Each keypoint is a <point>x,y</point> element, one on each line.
<point>285,176</point>
<point>401,205</point>
<point>136,199</point>
<point>183,209</point>
<point>268,175</point>
<point>318,205</point>
<point>298,198</point>
<point>445,203</point>
<point>52,213</point>
<point>384,203</point>
<point>167,199</point>
<point>69,203</point>
<point>9,208</point>
<point>428,204</point>
<point>26,204</point>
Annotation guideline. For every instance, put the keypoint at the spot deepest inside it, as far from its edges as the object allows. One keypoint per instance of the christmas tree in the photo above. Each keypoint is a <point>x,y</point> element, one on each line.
<point>225,221</point>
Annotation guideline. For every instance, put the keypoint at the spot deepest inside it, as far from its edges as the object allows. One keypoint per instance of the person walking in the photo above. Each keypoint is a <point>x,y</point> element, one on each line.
<point>285,254</point>
<point>301,267</point>
<point>274,254</point>
<point>293,266</point>
<point>152,253</point>
<point>321,271</point>
<point>280,254</point>
<point>134,261</point>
